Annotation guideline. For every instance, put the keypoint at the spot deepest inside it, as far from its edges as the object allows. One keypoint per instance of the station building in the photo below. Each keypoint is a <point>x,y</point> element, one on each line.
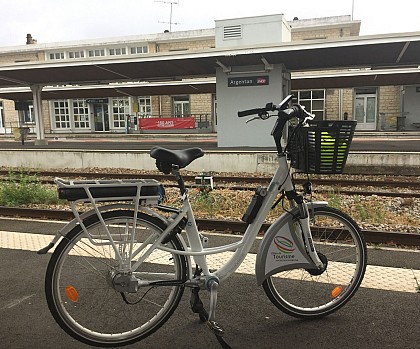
<point>376,108</point>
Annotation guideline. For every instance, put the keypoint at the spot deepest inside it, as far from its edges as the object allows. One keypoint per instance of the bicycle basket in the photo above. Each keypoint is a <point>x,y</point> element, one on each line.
<point>322,147</point>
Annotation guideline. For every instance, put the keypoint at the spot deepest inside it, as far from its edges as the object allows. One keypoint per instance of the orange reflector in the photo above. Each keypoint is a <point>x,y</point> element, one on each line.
<point>336,292</point>
<point>72,294</point>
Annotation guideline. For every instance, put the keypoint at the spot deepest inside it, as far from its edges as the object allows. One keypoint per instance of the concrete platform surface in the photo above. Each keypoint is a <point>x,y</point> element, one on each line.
<point>383,314</point>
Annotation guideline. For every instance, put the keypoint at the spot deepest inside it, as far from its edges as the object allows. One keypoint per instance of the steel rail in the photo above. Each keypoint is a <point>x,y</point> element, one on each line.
<point>371,236</point>
<point>336,185</point>
<point>391,182</point>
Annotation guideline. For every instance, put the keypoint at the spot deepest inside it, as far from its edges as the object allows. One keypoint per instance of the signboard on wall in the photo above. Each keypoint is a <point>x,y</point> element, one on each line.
<point>248,81</point>
<point>166,123</point>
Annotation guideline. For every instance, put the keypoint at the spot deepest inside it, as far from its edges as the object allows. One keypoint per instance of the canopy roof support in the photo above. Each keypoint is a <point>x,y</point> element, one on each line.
<point>39,120</point>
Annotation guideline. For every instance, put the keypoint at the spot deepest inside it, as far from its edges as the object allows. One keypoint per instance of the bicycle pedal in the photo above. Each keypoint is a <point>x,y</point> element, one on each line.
<point>216,328</point>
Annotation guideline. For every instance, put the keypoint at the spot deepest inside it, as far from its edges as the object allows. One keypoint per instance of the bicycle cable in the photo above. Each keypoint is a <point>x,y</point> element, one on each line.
<point>138,301</point>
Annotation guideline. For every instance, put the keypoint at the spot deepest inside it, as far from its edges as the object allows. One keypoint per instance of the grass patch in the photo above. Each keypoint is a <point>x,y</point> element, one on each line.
<point>25,188</point>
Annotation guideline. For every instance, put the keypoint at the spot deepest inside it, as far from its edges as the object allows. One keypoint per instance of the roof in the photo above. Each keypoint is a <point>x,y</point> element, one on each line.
<point>383,52</point>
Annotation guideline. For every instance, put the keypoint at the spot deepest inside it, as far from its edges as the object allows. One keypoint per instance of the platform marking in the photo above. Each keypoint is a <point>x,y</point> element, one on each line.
<point>376,277</point>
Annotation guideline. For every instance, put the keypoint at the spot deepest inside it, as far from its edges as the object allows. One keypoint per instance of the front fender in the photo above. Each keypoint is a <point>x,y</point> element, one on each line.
<point>280,249</point>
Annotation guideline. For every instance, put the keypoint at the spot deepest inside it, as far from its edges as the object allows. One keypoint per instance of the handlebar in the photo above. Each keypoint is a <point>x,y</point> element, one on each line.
<point>296,110</point>
<point>284,115</point>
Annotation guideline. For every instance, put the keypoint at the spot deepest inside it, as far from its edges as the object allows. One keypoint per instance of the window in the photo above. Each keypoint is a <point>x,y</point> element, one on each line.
<point>120,111</point>
<point>96,53</point>
<point>80,114</point>
<point>61,114</point>
<point>76,54</point>
<point>57,55</point>
<point>28,116</point>
<point>138,49</point>
<point>181,106</point>
<point>145,107</point>
<point>117,51</point>
<point>312,100</point>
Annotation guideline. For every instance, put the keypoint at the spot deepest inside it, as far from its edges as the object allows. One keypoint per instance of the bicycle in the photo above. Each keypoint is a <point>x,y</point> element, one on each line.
<point>122,266</point>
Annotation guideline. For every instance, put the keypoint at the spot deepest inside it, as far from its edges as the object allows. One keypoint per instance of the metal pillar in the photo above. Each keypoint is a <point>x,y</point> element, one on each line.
<point>39,120</point>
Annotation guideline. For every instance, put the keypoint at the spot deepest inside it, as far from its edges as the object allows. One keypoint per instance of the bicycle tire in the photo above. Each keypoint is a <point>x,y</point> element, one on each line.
<point>79,289</point>
<point>301,293</point>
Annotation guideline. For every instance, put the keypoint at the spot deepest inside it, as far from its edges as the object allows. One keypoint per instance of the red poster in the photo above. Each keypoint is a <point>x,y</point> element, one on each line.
<point>166,123</point>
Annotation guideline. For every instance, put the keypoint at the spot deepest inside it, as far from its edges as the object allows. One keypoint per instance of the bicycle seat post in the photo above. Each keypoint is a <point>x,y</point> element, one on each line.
<point>175,171</point>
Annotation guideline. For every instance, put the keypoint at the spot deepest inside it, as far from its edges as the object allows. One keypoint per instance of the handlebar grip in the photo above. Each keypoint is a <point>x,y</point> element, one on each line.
<point>248,112</point>
<point>295,111</point>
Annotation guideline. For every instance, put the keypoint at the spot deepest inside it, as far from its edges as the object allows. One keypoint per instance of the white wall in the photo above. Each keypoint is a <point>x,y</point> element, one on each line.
<point>233,131</point>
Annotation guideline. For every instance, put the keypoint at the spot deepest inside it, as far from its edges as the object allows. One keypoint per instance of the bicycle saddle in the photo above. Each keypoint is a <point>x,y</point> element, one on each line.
<point>166,157</point>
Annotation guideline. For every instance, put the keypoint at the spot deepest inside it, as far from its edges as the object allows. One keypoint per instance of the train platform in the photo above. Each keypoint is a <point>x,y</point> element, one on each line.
<point>383,314</point>
<point>179,137</point>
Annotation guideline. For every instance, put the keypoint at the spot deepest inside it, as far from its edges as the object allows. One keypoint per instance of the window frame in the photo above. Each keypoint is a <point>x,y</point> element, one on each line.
<point>308,102</point>
<point>119,112</point>
<point>61,120</point>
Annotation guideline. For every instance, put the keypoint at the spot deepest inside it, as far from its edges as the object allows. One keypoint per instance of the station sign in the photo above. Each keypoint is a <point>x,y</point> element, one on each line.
<point>97,100</point>
<point>248,81</point>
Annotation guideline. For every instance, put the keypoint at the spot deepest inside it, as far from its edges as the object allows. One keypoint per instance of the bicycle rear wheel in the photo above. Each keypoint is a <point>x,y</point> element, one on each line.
<point>304,294</point>
<point>81,276</point>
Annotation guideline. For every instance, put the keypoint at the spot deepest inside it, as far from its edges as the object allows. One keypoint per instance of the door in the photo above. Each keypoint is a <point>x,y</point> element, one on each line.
<point>365,111</point>
<point>101,117</point>
<point>181,106</point>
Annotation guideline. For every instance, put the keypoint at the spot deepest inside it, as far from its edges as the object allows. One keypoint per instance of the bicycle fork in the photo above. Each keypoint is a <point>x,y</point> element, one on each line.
<point>307,236</point>
<point>304,220</point>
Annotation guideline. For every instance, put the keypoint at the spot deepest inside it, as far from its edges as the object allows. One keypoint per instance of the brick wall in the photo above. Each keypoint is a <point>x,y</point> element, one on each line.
<point>10,114</point>
<point>389,107</point>
<point>193,45</point>
<point>332,103</point>
<point>23,57</point>
<point>333,33</point>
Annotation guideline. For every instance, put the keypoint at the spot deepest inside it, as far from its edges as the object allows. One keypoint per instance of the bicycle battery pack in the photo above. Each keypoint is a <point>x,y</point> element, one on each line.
<point>255,205</point>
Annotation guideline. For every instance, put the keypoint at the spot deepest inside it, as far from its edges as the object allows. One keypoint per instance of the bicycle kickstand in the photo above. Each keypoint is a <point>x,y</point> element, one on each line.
<point>213,286</point>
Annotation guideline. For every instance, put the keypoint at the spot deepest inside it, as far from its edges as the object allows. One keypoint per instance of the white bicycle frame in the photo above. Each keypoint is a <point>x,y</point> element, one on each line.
<point>195,249</point>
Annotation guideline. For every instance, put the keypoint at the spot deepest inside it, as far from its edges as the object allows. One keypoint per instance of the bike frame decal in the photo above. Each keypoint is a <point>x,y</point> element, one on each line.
<point>282,248</point>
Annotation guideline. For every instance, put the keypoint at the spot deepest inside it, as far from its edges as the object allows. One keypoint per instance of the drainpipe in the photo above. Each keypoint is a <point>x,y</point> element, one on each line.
<point>340,103</point>
<point>402,93</point>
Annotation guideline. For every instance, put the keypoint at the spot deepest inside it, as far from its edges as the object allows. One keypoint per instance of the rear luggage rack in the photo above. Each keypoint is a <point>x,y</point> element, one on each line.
<point>147,192</point>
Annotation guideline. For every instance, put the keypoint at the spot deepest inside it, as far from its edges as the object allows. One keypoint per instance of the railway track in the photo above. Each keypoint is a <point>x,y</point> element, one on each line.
<point>337,185</point>
<point>371,236</point>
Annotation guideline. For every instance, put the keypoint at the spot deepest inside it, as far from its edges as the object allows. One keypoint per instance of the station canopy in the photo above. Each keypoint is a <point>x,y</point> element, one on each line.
<point>379,60</point>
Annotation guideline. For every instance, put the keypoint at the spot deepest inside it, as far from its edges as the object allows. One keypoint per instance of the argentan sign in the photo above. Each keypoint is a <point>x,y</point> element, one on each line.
<point>248,81</point>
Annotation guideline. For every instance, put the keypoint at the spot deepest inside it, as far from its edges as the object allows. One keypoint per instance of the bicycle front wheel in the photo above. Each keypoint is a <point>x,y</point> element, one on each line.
<point>311,293</point>
<point>85,282</point>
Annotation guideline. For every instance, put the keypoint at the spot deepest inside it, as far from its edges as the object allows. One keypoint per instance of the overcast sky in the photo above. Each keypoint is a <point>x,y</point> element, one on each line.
<point>65,20</point>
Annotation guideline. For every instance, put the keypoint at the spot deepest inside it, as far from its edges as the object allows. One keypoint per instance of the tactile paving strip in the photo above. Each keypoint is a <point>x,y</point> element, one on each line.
<point>376,277</point>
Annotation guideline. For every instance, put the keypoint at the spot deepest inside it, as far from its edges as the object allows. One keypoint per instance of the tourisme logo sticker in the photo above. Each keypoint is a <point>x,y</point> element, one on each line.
<point>284,245</point>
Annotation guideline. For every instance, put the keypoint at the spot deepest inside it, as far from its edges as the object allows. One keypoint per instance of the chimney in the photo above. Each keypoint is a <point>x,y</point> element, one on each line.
<point>30,40</point>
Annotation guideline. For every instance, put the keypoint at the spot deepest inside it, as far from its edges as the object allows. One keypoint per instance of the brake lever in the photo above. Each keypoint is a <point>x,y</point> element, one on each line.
<point>252,119</point>
<point>308,116</point>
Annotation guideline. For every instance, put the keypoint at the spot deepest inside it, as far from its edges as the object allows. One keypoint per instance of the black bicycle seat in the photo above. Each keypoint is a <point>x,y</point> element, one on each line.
<point>181,158</point>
